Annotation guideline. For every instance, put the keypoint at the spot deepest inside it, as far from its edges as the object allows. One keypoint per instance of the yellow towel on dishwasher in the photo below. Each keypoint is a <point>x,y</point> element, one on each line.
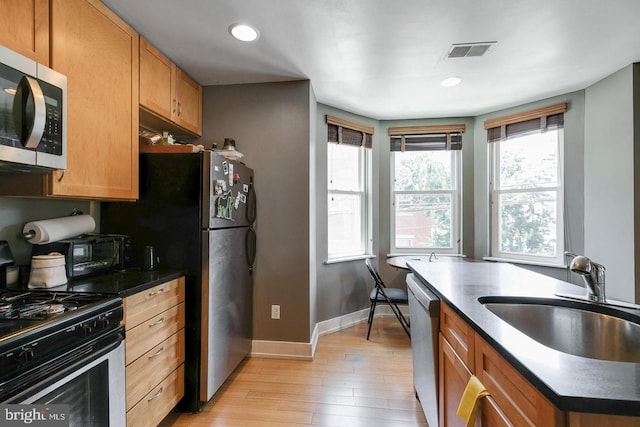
<point>469,402</point>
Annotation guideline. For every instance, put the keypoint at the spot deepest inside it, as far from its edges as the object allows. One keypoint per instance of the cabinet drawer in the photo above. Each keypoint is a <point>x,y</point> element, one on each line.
<point>518,400</point>
<point>152,332</point>
<point>146,304</point>
<point>158,402</point>
<point>144,373</point>
<point>459,335</point>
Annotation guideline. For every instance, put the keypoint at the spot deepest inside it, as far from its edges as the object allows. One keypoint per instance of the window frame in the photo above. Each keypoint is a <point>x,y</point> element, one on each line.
<point>494,208</point>
<point>364,176</point>
<point>456,208</point>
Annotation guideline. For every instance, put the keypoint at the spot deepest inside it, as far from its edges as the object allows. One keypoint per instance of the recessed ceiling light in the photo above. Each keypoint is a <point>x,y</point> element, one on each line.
<point>451,81</point>
<point>243,32</point>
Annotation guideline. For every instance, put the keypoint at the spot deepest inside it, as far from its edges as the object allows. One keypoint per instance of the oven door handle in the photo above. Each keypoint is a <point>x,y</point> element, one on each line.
<point>69,364</point>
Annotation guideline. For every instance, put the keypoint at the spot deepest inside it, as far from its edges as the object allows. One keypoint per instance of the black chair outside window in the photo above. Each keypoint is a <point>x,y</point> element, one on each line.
<point>389,296</point>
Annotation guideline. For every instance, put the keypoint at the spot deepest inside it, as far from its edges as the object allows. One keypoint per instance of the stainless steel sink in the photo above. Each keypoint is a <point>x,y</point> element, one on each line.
<point>581,329</point>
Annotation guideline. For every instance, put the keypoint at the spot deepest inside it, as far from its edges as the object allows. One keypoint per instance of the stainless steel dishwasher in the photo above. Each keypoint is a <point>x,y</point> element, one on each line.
<point>424,309</point>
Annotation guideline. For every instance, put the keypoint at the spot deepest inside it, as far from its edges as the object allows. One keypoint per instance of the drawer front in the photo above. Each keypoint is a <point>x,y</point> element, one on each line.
<point>459,335</point>
<point>151,302</point>
<point>152,332</point>
<point>145,373</point>
<point>518,400</point>
<point>152,409</point>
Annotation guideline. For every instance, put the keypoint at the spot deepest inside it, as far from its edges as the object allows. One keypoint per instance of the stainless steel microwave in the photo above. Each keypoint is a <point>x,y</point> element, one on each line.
<point>33,111</point>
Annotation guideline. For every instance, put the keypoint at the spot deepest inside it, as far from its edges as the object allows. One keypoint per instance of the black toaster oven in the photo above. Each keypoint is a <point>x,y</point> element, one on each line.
<point>89,253</point>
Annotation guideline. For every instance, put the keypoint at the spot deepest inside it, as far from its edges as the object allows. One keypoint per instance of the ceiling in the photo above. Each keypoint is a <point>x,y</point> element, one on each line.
<point>384,59</point>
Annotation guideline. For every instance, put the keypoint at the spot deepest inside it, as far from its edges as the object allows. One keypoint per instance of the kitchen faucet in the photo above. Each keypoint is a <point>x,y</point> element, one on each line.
<point>593,275</point>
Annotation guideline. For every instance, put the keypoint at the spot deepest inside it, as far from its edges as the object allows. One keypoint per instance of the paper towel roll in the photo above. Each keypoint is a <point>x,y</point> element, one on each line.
<point>52,230</point>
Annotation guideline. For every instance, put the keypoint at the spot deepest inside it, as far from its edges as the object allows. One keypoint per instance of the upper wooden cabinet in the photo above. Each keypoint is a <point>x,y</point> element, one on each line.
<point>98,52</point>
<point>24,28</point>
<point>167,92</point>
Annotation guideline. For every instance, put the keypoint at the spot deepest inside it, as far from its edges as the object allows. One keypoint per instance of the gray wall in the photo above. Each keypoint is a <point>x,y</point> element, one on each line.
<point>271,124</point>
<point>609,181</point>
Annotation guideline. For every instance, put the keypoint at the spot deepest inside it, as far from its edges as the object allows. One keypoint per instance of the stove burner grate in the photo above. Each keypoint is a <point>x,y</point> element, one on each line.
<point>36,305</point>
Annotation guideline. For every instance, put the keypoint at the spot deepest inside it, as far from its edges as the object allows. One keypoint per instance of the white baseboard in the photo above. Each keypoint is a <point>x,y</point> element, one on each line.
<point>306,351</point>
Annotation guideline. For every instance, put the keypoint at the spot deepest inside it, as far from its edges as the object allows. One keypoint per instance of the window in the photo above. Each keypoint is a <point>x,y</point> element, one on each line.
<point>527,189</point>
<point>425,171</point>
<point>348,175</point>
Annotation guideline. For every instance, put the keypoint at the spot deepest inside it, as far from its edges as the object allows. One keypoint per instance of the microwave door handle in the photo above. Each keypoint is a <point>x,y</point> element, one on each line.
<point>39,114</point>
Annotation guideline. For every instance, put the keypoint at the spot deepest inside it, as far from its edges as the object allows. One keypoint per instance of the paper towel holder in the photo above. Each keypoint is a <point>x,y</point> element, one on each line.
<point>31,234</point>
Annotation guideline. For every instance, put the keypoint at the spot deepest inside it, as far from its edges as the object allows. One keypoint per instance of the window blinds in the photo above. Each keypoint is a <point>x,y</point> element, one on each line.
<point>542,119</point>
<point>345,132</point>
<point>426,138</point>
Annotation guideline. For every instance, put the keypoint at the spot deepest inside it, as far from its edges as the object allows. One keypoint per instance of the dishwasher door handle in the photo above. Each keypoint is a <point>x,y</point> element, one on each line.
<point>429,301</point>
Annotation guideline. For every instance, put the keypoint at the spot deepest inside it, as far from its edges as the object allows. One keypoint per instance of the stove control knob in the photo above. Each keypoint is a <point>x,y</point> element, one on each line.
<point>101,322</point>
<point>85,330</point>
<point>25,355</point>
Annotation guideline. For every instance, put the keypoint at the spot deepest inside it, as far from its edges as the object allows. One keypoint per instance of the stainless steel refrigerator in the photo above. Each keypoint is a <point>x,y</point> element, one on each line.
<point>198,211</point>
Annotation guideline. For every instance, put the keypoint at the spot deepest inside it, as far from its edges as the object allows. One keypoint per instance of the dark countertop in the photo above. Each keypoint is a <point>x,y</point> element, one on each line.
<point>571,383</point>
<point>121,283</point>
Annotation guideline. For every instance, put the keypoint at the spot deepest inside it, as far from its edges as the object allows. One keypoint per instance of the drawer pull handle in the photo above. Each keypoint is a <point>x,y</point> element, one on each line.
<point>159,291</point>
<point>156,396</point>
<point>157,323</point>
<point>157,353</point>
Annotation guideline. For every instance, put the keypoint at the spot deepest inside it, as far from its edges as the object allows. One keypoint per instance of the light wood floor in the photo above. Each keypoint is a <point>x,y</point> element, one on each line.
<point>351,382</point>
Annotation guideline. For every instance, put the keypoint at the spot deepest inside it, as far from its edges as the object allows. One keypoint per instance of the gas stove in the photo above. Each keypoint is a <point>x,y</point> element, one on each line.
<point>39,329</point>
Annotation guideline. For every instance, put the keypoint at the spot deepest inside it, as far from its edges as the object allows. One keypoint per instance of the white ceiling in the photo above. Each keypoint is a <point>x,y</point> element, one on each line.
<point>385,59</point>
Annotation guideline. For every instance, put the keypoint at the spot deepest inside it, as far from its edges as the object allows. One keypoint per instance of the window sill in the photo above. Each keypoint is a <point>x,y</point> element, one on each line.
<point>519,261</point>
<point>348,258</point>
<point>415,254</point>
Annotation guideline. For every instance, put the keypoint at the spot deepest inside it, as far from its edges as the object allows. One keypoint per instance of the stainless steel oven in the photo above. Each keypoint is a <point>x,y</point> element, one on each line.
<point>94,389</point>
<point>73,357</point>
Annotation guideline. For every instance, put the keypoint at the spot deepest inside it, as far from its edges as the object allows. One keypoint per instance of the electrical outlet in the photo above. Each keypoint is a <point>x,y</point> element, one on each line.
<point>275,311</point>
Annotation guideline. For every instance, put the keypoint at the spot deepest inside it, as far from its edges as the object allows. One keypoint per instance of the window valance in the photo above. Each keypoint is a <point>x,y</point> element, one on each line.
<point>342,131</point>
<point>426,138</point>
<point>541,119</point>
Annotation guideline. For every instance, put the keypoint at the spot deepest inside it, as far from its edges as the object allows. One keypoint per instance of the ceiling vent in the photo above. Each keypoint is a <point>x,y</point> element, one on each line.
<point>466,50</point>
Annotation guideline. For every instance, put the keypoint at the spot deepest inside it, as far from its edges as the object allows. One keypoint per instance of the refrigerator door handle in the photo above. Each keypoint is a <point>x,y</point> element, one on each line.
<point>252,210</point>
<point>250,246</point>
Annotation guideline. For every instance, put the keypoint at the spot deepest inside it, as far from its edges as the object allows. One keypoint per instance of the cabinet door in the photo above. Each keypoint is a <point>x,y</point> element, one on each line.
<point>189,96</point>
<point>157,81</point>
<point>454,376</point>
<point>98,52</point>
<point>24,28</point>
<point>515,397</point>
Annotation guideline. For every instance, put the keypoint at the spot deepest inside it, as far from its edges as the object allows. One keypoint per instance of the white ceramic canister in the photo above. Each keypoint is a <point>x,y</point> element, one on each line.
<point>47,271</point>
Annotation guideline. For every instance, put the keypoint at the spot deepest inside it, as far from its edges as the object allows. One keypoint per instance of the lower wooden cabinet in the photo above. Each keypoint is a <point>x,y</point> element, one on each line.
<point>512,400</point>
<point>520,402</point>
<point>154,352</point>
<point>454,375</point>
<point>159,401</point>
